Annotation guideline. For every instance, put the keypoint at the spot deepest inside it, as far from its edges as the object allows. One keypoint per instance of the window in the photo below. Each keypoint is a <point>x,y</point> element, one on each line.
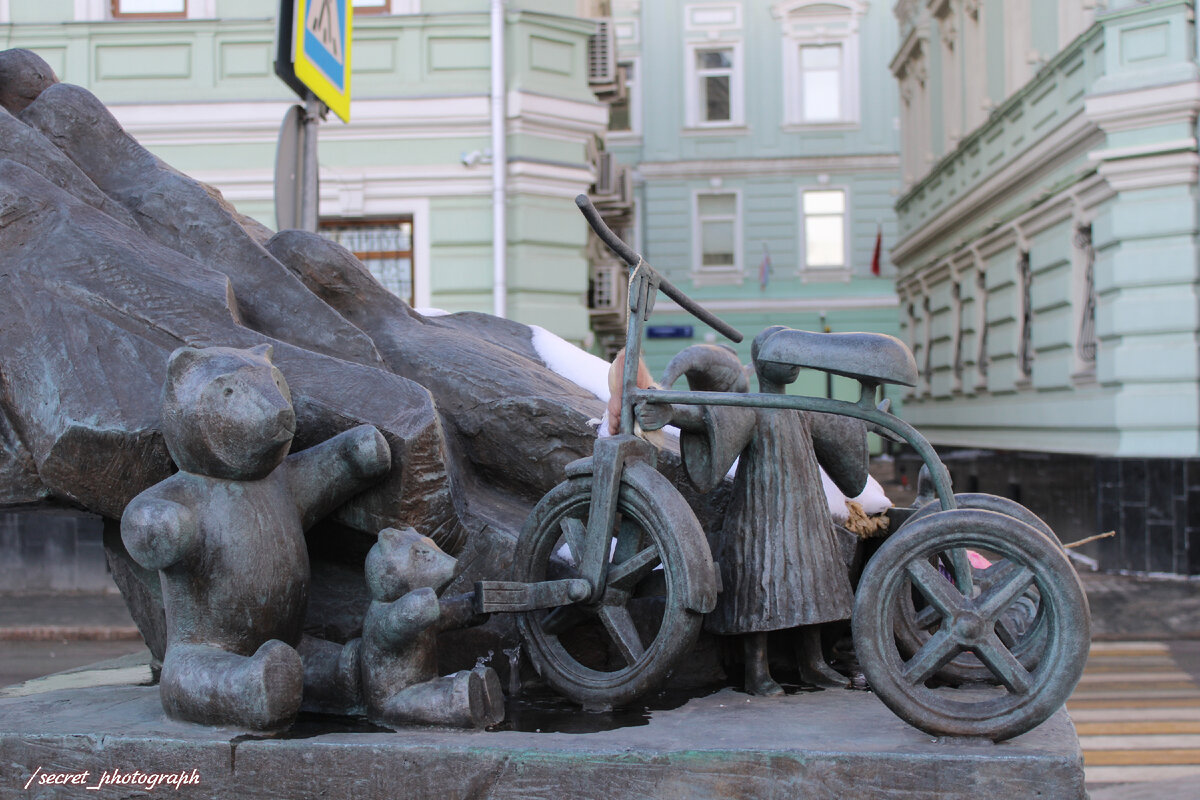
<point>982,357</point>
<point>718,235</point>
<point>372,6</point>
<point>956,308</point>
<point>1085,268</point>
<point>385,247</point>
<point>820,60</point>
<point>149,8</point>
<point>823,230</point>
<point>821,83</point>
<point>625,115</point>
<point>1025,342</point>
<point>714,72</point>
<point>715,85</point>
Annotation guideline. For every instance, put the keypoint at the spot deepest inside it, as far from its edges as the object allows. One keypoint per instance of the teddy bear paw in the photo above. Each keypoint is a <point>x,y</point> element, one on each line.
<point>486,697</point>
<point>274,693</point>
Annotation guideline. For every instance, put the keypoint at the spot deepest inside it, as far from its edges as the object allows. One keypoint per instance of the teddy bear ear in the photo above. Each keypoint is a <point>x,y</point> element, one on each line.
<point>182,358</point>
<point>264,350</point>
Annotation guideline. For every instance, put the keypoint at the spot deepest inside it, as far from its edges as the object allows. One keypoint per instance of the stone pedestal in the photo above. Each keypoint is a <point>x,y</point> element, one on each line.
<point>831,744</point>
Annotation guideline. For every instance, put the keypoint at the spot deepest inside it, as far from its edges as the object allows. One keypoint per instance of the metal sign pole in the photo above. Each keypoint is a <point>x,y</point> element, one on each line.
<point>310,194</point>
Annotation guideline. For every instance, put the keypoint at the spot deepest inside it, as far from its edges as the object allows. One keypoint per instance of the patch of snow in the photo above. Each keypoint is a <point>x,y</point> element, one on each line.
<point>573,363</point>
<point>835,499</point>
<point>873,500</point>
<point>431,312</point>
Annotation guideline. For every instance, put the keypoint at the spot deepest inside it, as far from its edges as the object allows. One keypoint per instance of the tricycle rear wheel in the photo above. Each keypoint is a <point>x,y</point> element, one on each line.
<point>906,683</point>
<point>914,625</point>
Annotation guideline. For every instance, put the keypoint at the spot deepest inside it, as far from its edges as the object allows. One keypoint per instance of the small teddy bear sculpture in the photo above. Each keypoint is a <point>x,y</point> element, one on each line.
<point>227,533</point>
<point>405,573</point>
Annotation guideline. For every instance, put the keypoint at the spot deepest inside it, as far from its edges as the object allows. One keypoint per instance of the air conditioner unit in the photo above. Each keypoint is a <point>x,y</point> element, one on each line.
<point>624,190</point>
<point>606,174</point>
<point>602,54</point>
<point>608,287</point>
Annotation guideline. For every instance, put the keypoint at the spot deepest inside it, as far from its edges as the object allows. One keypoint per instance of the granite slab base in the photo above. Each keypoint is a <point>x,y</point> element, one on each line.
<point>831,744</point>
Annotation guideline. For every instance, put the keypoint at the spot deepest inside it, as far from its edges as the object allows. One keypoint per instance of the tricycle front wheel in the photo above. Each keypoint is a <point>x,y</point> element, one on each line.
<point>610,652</point>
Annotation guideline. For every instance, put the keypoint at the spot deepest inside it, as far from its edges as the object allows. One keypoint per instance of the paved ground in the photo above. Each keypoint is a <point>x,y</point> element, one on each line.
<point>1137,713</point>
<point>20,661</point>
<point>45,633</point>
<point>1137,709</point>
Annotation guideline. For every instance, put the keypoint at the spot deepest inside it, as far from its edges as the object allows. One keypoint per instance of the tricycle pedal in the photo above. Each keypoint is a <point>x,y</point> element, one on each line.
<point>514,596</point>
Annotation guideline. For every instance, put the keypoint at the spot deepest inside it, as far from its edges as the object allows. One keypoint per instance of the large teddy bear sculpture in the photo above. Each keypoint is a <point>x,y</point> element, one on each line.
<point>227,533</point>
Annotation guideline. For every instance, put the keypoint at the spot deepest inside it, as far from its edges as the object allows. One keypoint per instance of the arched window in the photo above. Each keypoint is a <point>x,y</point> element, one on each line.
<point>820,60</point>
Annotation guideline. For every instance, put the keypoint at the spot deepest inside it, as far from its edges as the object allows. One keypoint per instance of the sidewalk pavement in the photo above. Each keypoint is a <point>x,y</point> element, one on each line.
<point>71,616</point>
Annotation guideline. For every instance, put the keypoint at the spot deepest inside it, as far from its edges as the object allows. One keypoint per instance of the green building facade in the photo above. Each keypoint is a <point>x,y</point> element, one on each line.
<point>1047,260</point>
<point>763,152</point>
<point>408,182</point>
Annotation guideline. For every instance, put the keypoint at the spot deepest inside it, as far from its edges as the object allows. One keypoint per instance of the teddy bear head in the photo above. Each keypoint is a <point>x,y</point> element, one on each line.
<point>403,560</point>
<point>227,413</point>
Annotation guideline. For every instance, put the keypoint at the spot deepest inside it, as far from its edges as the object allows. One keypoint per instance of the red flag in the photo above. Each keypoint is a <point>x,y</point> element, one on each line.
<point>878,251</point>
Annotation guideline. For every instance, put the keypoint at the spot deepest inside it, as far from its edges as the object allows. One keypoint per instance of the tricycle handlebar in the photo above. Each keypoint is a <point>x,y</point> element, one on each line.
<point>633,259</point>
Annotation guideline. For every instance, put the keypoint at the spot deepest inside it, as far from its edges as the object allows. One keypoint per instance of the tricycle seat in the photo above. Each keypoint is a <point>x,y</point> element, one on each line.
<point>873,357</point>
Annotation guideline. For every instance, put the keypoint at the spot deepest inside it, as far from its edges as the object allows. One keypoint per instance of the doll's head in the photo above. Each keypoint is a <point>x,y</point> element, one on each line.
<point>771,372</point>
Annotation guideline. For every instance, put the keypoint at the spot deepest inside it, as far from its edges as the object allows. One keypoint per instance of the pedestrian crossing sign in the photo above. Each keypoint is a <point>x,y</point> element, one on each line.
<point>321,50</point>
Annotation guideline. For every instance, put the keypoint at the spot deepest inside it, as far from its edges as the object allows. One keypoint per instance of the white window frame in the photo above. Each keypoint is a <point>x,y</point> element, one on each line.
<point>708,275</point>
<point>100,10</point>
<point>737,94</point>
<point>823,273</point>
<point>634,97</point>
<point>797,35</point>
<point>4,12</point>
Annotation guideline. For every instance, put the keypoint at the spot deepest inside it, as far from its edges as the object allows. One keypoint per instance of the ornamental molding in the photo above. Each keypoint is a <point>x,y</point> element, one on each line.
<point>1076,136</point>
<point>1145,107</point>
<point>765,167</point>
<point>789,13</point>
<point>911,50</point>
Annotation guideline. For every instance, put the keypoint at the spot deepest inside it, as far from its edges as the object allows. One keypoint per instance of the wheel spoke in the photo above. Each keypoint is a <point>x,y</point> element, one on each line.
<point>1003,664</point>
<point>938,591</point>
<point>628,573</point>
<point>1005,634</point>
<point>619,624</point>
<point>562,619</point>
<point>989,577</point>
<point>574,532</point>
<point>936,653</point>
<point>997,599</point>
<point>927,617</point>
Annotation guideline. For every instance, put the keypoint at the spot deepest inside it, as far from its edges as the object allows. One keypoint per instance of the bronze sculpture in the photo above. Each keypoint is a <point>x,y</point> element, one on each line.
<point>227,534</point>
<point>406,573</point>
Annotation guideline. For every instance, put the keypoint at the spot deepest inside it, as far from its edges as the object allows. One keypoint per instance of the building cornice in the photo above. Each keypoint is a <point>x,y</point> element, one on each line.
<point>465,116</point>
<point>1076,201</point>
<point>1074,138</point>
<point>765,167</point>
<point>911,45</point>
<point>777,305</point>
<point>1144,107</point>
